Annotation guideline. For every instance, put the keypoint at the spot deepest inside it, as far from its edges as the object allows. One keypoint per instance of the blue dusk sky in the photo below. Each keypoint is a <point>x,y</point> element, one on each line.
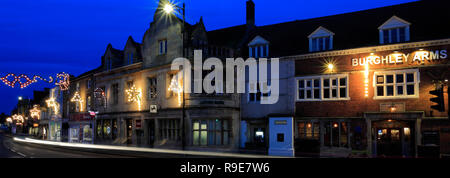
<point>46,37</point>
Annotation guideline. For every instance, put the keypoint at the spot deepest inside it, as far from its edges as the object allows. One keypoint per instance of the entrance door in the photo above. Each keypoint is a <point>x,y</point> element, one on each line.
<point>389,142</point>
<point>151,133</point>
<point>129,130</point>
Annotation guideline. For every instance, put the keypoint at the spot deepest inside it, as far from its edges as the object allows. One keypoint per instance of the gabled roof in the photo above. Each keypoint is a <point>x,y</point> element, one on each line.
<point>392,20</point>
<point>228,37</point>
<point>320,29</point>
<point>136,45</point>
<point>358,29</point>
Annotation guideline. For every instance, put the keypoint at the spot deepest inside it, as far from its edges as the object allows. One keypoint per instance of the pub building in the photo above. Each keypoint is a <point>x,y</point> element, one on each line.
<point>368,83</point>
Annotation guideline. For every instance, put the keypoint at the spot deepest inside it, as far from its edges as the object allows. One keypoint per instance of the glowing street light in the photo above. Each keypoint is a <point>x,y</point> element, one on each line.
<point>20,98</point>
<point>168,8</point>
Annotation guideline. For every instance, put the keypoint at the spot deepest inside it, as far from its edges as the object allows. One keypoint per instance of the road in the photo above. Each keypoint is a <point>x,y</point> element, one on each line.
<point>11,149</point>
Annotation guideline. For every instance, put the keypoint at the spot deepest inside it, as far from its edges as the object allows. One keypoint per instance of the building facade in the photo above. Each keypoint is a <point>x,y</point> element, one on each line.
<point>369,91</point>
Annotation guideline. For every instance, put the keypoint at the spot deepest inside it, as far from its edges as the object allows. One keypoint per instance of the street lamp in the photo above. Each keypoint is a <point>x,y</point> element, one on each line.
<point>20,98</point>
<point>169,8</point>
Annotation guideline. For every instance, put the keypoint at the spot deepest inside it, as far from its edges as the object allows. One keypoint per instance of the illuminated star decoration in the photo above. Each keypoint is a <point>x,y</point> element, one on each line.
<point>175,86</point>
<point>77,98</point>
<point>11,80</point>
<point>35,112</point>
<point>63,81</point>
<point>51,103</point>
<point>134,95</point>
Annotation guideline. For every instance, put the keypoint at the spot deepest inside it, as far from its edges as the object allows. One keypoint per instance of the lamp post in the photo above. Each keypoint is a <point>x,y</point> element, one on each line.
<point>169,8</point>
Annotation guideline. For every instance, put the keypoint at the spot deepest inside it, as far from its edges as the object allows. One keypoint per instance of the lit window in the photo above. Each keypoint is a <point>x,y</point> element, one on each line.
<point>319,88</point>
<point>396,84</point>
<point>211,132</point>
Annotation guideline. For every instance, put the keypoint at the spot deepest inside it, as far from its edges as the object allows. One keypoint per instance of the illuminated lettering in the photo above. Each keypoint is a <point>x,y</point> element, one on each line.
<point>355,62</point>
<point>443,54</point>
<point>376,60</point>
<point>434,55</point>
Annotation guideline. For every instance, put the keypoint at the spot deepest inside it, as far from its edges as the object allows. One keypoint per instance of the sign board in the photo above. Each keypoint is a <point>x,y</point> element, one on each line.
<point>392,107</point>
<point>138,124</point>
<point>281,136</point>
<point>153,109</point>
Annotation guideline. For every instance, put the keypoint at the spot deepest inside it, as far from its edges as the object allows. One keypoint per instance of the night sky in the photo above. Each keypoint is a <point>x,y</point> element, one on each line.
<point>46,37</point>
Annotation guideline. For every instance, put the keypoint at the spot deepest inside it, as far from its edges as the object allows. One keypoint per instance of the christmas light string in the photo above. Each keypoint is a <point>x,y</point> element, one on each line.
<point>12,80</point>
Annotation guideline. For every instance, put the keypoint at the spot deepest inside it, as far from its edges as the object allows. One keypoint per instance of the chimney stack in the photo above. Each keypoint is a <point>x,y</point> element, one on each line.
<point>250,13</point>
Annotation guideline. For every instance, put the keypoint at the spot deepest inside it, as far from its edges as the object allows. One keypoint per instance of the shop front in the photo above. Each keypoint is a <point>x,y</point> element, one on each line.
<point>82,128</point>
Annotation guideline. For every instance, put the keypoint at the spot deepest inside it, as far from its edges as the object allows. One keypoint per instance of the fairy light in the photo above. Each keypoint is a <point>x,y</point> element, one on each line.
<point>35,112</point>
<point>23,81</point>
<point>51,103</point>
<point>63,81</point>
<point>134,95</point>
<point>366,78</point>
<point>18,118</point>
<point>176,87</point>
<point>77,99</point>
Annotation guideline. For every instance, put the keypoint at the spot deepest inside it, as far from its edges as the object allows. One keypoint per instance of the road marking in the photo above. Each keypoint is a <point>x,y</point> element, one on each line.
<point>19,153</point>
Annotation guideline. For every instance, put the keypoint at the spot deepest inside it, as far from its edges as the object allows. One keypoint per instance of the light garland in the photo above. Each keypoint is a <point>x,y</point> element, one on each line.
<point>366,78</point>
<point>23,84</point>
<point>77,98</point>
<point>134,95</point>
<point>24,81</point>
<point>35,112</point>
<point>176,87</point>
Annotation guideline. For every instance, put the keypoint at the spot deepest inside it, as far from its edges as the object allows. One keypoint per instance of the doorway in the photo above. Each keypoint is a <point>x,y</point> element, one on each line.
<point>151,133</point>
<point>393,138</point>
<point>389,142</point>
<point>129,133</point>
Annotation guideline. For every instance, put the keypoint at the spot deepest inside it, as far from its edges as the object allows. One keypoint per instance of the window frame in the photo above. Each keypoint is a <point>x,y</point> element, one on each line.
<point>405,83</point>
<point>321,87</point>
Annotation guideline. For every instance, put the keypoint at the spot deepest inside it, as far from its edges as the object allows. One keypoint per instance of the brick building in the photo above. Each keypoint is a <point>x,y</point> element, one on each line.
<point>363,82</point>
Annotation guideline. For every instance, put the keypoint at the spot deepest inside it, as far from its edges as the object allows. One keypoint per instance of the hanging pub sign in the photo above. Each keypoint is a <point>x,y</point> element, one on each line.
<point>416,57</point>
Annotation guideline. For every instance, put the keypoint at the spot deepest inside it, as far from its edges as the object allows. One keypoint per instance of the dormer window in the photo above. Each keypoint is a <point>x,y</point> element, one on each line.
<point>394,30</point>
<point>321,40</point>
<point>258,47</point>
<point>108,64</point>
<point>129,58</point>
